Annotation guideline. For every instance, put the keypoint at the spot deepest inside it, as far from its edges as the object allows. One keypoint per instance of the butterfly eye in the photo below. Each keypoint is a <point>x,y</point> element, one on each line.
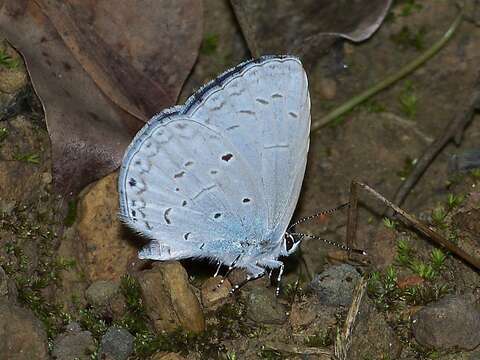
<point>289,242</point>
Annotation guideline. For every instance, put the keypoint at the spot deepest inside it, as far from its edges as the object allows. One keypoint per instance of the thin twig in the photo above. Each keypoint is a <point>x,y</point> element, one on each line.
<point>298,349</point>
<point>352,220</point>
<point>453,132</point>
<point>424,229</point>
<point>404,71</point>
<point>344,338</point>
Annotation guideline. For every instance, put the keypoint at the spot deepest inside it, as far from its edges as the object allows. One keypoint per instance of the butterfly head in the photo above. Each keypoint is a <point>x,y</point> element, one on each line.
<point>290,243</point>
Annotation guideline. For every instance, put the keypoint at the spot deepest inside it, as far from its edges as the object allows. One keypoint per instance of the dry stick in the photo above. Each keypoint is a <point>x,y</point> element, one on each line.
<point>425,230</point>
<point>453,131</point>
<point>352,220</point>
<point>407,69</point>
<point>344,338</point>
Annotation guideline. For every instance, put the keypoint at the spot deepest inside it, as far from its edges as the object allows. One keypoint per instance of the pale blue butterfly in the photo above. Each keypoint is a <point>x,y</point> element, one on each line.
<point>219,177</point>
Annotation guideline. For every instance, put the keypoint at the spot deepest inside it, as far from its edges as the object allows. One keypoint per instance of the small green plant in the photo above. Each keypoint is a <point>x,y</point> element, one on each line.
<point>437,259</point>
<point>454,200</point>
<point>389,223</point>
<point>7,61</point>
<point>209,44</point>
<point>438,216</point>
<point>404,252</point>
<point>30,158</point>
<point>390,281</point>
<point>383,288</point>
<point>408,100</point>
<point>425,271</point>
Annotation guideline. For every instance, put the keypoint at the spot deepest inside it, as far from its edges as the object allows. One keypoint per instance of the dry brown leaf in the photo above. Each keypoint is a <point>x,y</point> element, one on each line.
<point>101,69</point>
<point>305,28</point>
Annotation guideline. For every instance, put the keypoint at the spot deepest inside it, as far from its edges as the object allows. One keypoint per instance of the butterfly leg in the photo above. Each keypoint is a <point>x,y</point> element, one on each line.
<point>247,279</point>
<point>273,264</point>
<point>218,269</point>
<point>230,268</point>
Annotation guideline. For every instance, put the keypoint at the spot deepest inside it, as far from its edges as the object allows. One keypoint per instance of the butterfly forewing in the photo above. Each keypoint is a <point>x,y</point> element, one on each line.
<point>187,187</point>
<point>264,109</point>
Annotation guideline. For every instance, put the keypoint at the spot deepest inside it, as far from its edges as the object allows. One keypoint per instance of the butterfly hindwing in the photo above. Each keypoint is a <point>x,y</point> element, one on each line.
<point>189,189</point>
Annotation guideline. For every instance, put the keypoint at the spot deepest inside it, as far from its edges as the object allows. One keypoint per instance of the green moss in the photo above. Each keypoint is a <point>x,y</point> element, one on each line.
<point>409,7</point>
<point>407,38</point>
<point>270,355</point>
<point>7,61</point>
<point>209,44</point>
<point>91,321</point>
<point>322,338</point>
<point>30,158</point>
<point>71,213</point>
<point>374,107</point>
<point>31,278</point>
<point>408,100</point>
<point>135,318</point>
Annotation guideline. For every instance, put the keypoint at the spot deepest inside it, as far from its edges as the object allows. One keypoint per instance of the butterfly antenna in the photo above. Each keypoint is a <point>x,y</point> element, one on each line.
<point>324,212</point>
<point>341,246</point>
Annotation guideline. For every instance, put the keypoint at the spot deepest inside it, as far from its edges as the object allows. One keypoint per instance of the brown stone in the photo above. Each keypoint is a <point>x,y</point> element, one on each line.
<point>214,294</point>
<point>108,250</point>
<point>169,298</point>
<point>22,336</point>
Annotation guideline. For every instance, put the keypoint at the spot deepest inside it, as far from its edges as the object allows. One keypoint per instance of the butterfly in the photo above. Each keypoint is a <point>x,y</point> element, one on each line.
<point>219,177</point>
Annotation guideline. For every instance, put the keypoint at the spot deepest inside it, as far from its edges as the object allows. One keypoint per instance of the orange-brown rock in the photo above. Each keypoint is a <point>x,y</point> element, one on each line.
<point>169,298</point>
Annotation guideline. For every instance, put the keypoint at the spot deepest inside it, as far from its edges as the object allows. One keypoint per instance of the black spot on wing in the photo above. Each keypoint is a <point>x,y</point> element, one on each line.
<point>165,215</point>
<point>262,101</point>
<point>227,157</point>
